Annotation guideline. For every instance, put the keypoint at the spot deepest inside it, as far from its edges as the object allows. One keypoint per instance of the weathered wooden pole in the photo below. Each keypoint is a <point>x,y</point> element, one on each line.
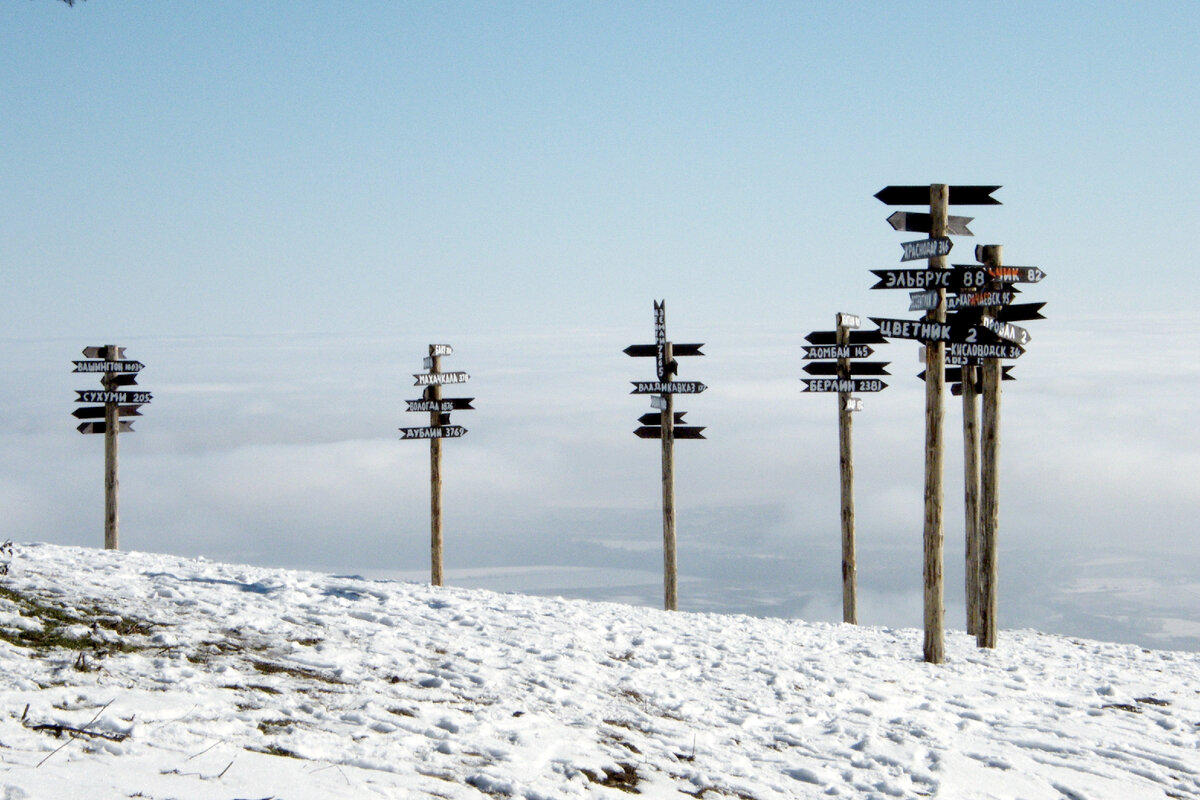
<point>112,426</point>
<point>670,567</point>
<point>435,475</point>
<point>846,464</point>
<point>989,506</point>
<point>970,404</point>
<point>935,379</point>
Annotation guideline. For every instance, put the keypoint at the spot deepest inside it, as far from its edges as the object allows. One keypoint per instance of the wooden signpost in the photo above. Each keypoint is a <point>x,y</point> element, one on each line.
<point>109,362</point>
<point>846,371</point>
<point>664,390</point>
<point>935,332</point>
<point>439,428</point>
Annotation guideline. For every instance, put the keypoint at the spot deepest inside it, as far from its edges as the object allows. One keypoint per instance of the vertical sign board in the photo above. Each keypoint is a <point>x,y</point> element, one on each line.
<point>846,379</point>
<point>439,428</point>
<point>115,370</point>
<point>662,399</point>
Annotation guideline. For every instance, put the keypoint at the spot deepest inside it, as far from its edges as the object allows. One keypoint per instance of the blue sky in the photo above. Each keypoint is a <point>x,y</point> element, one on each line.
<point>276,206</point>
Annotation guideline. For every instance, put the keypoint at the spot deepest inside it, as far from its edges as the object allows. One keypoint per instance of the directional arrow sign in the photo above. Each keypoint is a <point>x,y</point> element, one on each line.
<point>440,378</point>
<point>97,412</point>
<point>1006,330</point>
<point>834,351</point>
<point>919,195</point>
<point>441,350</point>
<point>926,248</point>
<point>954,373</point>
<point>101,352</point>
<point>680,432</point>
<point>120,379</point>
<point>1019,312</point>
<point>652,350</point>
<point>444,405</point>
<point>108,366</point>
<point>100,396</point>
<point>957,350</point>
<point>100,427</point>
<point>918,222</point>
<point>439,432</point>
<point>667,387</point>
<point>856,367</point>
<point>856,337</point>
<point>1017,274</point>
<point>656,419</point>
<point>843,385</point>
<point>922,330</point>
<point>927,300</point>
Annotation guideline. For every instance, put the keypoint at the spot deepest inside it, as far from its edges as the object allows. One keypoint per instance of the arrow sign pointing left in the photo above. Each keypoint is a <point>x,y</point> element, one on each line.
<point>918,222</point>
<point>100,427</point>
<point>919,195</point>
<point>440,432</point>
<point>108,366</point>
<point>97,412</point>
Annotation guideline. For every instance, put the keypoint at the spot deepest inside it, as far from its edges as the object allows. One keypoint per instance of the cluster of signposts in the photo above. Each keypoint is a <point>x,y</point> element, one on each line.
<point>439,408</point>
<point>968,327</point>
<point>114,402</point>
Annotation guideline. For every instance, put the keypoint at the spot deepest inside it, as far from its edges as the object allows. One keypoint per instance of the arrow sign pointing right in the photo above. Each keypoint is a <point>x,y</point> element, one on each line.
<point>855,367</point>
<point>681,432</point>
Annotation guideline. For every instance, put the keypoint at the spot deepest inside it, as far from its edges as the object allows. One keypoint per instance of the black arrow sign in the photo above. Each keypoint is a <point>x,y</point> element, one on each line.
<point>667,387</point>
<point>100,396</point>
<point>1006,330</point>
<point>101,427</point>
<point>108,366</point>
<point>919,195</point>
<point>443,405</point>
<point>644,350</point>
<point>954,373</point>
<point>680,432</point>
<point>441,432</point>
<point>1018,312</point>
<point>981,350</point>
<point>834,351</point>
<point>924,330</point>
<point>655,419</point>
<point>952,280</point>
<point>97,412</point>
<point>856,337</point>
<point>843,385</point>
<point>919,222</point>
<point>855,367</point>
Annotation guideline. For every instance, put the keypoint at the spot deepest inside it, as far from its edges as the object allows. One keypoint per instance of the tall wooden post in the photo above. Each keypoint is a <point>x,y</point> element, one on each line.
<point>935,379</point>
<point>989,507</point>
<point>970,404</point>
<point>670,574</point>
<point>112,425</point>
<point>846,465</point>
<point>435,476</point>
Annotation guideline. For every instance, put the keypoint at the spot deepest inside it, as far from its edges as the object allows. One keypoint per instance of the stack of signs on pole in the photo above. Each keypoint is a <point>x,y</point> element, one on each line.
<point>666,367</point>
<point>431,401</point>
<point>115,371</point>
<point>840,364</point>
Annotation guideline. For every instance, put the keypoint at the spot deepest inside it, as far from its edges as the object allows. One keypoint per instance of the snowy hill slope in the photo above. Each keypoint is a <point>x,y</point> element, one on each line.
<point>138,675</point>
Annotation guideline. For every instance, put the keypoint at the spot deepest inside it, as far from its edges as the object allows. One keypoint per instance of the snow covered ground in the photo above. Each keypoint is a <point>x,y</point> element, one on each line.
<point>139,675</point>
